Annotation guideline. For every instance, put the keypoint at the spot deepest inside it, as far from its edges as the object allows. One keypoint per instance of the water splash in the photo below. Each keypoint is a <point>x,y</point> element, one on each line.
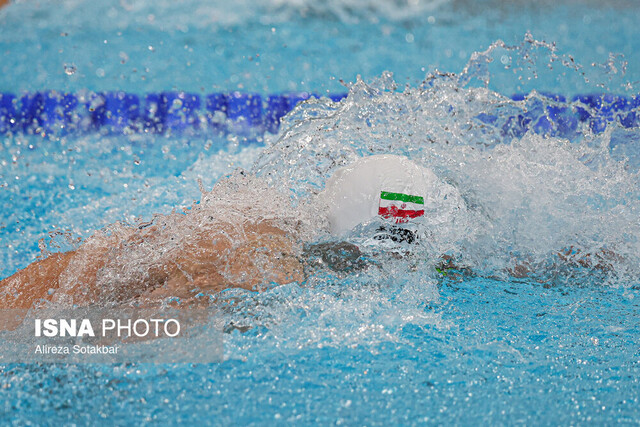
<point>519,67</point>
<point>532,193</point>
<point>553,202</point>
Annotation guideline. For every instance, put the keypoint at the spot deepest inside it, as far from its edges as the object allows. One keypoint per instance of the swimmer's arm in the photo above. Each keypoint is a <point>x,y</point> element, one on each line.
<point>212,261</point>
<point>38,281</point>
<point>601,259</point>
<point>48,279</point>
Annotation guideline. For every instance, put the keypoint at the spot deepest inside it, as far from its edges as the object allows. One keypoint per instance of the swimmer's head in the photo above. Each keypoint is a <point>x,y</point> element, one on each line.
<point>389,187</point>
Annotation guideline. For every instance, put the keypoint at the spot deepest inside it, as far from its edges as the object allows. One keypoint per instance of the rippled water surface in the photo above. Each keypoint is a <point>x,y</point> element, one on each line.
<point>399,342</point>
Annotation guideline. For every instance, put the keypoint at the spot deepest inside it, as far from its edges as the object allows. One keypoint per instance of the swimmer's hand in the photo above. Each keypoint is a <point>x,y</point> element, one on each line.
<point>602,259</point>
<point>338,256</point>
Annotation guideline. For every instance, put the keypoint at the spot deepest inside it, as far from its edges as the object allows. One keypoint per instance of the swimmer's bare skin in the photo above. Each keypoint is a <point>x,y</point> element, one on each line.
<point>212,260</point>
<point>32,284</point>
<point>602,260</point>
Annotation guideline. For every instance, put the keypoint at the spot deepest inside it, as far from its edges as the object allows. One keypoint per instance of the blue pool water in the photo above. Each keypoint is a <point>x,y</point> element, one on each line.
<point>399,343</point>
<point>488,352</point>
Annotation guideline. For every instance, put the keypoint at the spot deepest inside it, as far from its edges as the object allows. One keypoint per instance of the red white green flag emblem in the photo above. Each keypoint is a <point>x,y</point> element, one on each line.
<point>400,207</point>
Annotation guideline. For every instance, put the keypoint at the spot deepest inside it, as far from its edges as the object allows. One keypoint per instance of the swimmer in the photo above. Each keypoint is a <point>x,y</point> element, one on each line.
<point>244,253</point>
<point>209,262</point>
<point>201,252</point>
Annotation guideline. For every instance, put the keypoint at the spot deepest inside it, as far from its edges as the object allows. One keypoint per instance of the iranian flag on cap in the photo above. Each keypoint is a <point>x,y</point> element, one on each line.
<point>400,207</point>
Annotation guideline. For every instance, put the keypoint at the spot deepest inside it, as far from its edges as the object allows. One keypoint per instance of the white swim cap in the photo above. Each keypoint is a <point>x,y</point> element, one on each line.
<point>389,186</point>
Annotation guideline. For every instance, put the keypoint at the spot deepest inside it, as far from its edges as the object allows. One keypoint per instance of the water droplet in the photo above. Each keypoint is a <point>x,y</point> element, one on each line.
<point>69,69</point>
